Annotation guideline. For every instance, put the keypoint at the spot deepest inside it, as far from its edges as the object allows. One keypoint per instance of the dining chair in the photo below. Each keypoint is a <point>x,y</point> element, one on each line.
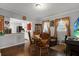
<point>43,43</point>
<point>32,44</point>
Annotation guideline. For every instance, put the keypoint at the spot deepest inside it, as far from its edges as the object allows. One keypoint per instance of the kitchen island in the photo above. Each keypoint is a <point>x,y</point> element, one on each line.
<point>9,40</point>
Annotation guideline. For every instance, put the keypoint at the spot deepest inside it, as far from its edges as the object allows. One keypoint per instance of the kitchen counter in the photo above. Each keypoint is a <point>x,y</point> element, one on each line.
<point>9,40</point>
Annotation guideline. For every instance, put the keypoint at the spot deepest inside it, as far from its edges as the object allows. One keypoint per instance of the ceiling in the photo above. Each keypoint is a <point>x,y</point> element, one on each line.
<point>30,10</point>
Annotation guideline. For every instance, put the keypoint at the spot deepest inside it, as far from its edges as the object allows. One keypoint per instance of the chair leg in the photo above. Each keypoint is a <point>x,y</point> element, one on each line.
<point>0,52</point>
<point>40,51</point>
<point>29,50</point>
<point>48,51</point>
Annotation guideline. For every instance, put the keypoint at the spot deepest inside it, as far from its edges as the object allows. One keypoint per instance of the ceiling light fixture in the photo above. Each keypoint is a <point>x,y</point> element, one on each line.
<point>40,6</point>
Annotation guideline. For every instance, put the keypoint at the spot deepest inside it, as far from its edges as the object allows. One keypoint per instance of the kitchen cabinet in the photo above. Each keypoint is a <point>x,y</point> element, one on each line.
<point>38,28</point>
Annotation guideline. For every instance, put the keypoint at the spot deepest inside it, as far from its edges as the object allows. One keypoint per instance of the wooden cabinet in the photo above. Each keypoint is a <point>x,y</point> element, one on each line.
<point>72,48</point>
<point>38,28</point>
<point>1,24</point>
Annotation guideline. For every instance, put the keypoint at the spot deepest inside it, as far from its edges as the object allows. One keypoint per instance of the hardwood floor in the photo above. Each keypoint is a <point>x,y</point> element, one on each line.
<point>13,51</point>
<point>23,50</point>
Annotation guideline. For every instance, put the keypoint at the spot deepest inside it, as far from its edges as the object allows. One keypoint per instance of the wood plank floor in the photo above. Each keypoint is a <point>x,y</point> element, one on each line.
<point>23,50</point>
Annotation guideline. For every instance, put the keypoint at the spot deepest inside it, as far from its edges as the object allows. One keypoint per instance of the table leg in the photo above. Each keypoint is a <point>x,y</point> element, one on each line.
<point>0,52</point>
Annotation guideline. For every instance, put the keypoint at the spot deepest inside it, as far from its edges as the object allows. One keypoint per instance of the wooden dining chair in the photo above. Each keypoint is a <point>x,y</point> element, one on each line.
<point>32,44</point>
<point>43,43</point>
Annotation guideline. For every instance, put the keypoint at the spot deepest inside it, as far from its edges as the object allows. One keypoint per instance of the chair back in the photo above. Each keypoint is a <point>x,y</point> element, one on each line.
<point>44,36</point>
<point>45,39</point>
<point>36,33</point>
<point>30,37</point>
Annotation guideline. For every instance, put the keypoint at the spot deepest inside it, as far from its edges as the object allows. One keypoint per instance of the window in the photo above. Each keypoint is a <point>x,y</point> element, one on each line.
<point>61,26</point>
